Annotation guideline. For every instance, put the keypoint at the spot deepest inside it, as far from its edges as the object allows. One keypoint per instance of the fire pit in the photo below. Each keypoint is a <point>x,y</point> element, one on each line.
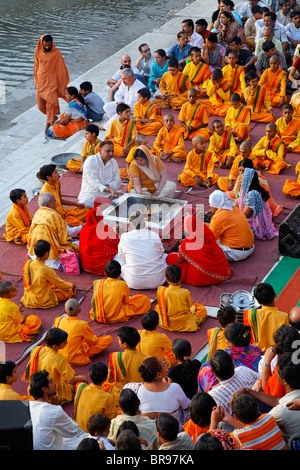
<point>161,215</point>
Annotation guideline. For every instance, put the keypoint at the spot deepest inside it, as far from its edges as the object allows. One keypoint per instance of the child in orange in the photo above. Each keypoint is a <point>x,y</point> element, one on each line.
<point>18,220</point>
<point>169,143</point>
<point>122,131</point>
<point>193,117</point>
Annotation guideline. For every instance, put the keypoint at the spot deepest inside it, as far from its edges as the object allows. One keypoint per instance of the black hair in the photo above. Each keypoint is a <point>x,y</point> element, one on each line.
<point>98,372</point>
<point>255,186</point>
<point>207,441</point>
<point>251,75</point>
<point>129,335</point>
<point>228,15</point>
<point>245,408</point>
<point>72,90</point>
<point>16,194</point>
<point>161,52</point>
<point>271,14</point>
<point>88,443</point>
<point>236,40</point>
<point>212,37</point>
<point>128,425</point>
<point>97,423</point>
<point>256,9</point>
<point>289,370</point>
<point>202,22</point>
<point>264,293</point>
<point>41,247</point>
<point>55,337</point>
<point>128,440</point>
<point>168,426</point>
<point>217,74</point>
<point>195,49</point>
<point>93,129</point>
<point>6,370</point>
<point>38,381</point>
<point>144,92</point>
<point>113,269</point>
<point>86,86</point>
<point>47,38</point>
<point>189,22</point>
<point>226,314</point>
<point>129,402</point>
<point>121,107</point>
<point>238,334</point>
<point>267,46</point>
<point>222,365</point>
<point>46,170</point>
<point>142,45</point>
<point>173,273</point>
<point>140,153</point>
<point>284,338</point>
<point>201,408</point>
<point>5,287</point>
<point>173,63</point>
<point>150,320</point>
<point>246,163</point>
<point>150,368</point>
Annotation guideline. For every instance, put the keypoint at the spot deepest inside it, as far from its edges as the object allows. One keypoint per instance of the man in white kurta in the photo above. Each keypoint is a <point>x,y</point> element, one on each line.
<point>142,258</point>
<point>100,176</point>
<point>126,93</point>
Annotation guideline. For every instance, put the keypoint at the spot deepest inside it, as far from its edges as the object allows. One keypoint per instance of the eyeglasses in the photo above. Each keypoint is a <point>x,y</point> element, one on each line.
<point>146,50</point>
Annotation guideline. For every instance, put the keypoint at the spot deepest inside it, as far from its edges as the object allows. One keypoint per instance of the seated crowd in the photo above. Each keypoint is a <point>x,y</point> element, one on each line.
<point>240,69</point>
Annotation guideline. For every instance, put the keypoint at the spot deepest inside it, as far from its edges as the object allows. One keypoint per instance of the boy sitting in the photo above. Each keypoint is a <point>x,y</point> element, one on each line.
<point>173,87</point>
<point>193,117</point>
<point>147,115</point>
<point>175,305</point>
<point>258,100</point>
<point>237,119</point>
<point>218,91</point>
<point>234,74</point>
<point>90,147</point>
<point>94,103</point>
<point>271,151</point>
<point>289,129</point>
<point>111,302</point>
<point>169,143</point>
<point>8,376</point>
<point>14,328</point>
<point>222,145</point>
<point>42,287</point>
<point>122,131</point>
<point>18,219</point>
<point>199,166</point>
<point>197,71</point>
<point>82,342</point>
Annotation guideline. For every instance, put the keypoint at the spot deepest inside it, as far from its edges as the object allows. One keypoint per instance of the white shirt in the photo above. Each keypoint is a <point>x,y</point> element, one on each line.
<point>96,177</point>
<point>142,252</point>
<point>52,428</point>
<point>196,40</point>
<point>223,391</point>
<point>245,10</point>
<point>128,95</point>
<point>117,75</point>
<point>279,31</point>
<point>168,401</point>
<point>292,32</point>
<point>287,420</point>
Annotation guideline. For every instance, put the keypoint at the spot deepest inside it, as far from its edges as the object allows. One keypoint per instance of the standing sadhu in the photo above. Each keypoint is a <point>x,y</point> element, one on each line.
<point>51,78</point>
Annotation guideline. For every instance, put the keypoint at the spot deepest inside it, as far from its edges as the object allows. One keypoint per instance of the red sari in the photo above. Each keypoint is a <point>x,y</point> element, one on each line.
<point>201,259</point>
<point>95,252</point>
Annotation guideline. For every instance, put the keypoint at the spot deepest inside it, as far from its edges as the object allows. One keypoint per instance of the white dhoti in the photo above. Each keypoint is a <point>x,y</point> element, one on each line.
<point>234,254</point>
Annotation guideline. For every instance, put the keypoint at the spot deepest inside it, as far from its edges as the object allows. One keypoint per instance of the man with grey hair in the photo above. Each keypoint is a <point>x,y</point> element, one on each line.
<point>47,224</point>
<point>126,93</point>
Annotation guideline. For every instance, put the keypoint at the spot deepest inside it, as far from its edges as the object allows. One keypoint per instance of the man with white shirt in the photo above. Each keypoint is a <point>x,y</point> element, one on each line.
<point>293,30</point>
<point>100,177</point>
<point>284,14</point>
<point>269,19</point>
<point>125,63</point>
<point>194,38</point>
<point>126,93</point>
<point>52,428</point>
<point>245,11</point>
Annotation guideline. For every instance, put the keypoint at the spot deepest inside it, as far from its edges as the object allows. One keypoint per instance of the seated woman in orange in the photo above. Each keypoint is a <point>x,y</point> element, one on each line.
<point>73,119</point>
<point>201,260</point>
<point>98,243</point>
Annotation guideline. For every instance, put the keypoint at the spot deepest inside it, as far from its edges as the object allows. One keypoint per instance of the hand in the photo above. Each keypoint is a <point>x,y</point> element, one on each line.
<point>257,387</point>
<point>269,355</point>
<point>294,405</point>
<point>208,183</point>
<point>216,415</point>
<point>230,185</point>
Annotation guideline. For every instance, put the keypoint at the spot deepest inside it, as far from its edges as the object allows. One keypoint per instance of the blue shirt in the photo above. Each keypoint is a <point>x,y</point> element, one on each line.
<point>177,53</point>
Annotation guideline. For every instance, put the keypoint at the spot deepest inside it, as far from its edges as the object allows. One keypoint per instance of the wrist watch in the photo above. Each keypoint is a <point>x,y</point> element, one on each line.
<point>265,364</point>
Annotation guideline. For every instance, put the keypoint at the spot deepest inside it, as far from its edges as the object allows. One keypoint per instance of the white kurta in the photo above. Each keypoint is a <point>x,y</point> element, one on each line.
<point>141,254</point>
<point>96,177</point>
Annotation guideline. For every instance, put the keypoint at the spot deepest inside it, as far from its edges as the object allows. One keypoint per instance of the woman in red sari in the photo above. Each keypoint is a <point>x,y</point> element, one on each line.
<point>98,243</point>
<point>201,260</point>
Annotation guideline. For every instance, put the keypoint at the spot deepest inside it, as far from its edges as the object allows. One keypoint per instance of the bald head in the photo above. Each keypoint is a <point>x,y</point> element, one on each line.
<point>198,139</point>
<point>72,307</point>
<point>126,60</point>
<point>246,145</point>
<point>294,317</point>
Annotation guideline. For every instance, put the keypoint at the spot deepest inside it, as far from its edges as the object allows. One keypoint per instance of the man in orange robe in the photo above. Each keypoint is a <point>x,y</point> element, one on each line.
<point>193,117</point>
<point>51,78</point>
<point>274,79</point>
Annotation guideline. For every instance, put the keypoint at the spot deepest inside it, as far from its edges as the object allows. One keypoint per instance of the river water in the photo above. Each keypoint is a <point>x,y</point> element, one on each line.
<point>71,22</point>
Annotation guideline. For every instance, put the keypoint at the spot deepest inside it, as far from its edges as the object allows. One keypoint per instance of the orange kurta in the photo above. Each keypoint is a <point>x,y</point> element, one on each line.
<point>111,302</point>
<point>222,147</point>
<point>198,76</point>
<point>17,225</point>
<point>292,188</point>
<point>13,327</point>
<point>74,164</point>
<point>198,164</point>
<point>171,141</point>
<point>260,104</point>
<point>216,340</point>
<point>236,76</point>
<point>121,134</point>
<point>219,97</point>
<point>194,115</point>
<point>272,159</point>
<point>275,84</point>
<point>290,133</point>
<point>238,121</point>
<point>151,111</point>
<point>177,85</point>
<point>82,342</point>
<point>154,343</point>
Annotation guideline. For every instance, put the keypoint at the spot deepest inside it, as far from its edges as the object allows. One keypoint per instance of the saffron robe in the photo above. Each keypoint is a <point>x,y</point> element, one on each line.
<point>73,216</point>
<point>111,302</point>
<point>17,225</point>
<point>154,343</point>
<point>198,76</point>
<point>272,159</point>
<point>275,84</point>
<point>292,188</point>
<point>216,340</point>
<point>239,119</point>
<point>82,342</point>
<point>193,116</point>
<point>13,327</point>
<point>121,134</point>
<point>198,164</point>
<point>234,172</point>
<point>218,97</point>
<point>236,76</point>
<point>42,287</point>
<point>290,133</point>
<point>74,164</point>
<point>178,85</point>
<point>177,311</point>
<point>171,141</point>
<point>260,104</point>
<point>151,111</point>
<point>222,147</point>
<point>47,224</point>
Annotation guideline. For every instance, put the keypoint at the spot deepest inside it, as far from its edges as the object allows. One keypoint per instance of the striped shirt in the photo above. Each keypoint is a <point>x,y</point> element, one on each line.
<point>243,377</point>
<point>263,434</point>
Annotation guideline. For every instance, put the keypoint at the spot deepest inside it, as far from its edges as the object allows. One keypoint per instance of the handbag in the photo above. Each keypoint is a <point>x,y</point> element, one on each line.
<point>69,262</point>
